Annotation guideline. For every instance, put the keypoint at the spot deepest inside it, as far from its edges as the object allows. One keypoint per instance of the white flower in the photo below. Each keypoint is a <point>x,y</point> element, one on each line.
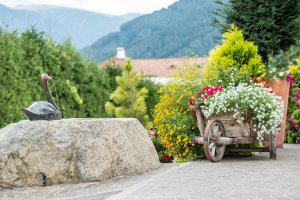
<point>281,73</point>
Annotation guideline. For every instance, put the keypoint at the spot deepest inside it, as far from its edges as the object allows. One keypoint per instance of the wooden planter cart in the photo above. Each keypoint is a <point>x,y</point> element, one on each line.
<point>221,130</point>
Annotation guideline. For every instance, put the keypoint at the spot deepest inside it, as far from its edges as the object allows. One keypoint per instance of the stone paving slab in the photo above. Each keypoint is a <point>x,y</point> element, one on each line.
<point>247,177</point>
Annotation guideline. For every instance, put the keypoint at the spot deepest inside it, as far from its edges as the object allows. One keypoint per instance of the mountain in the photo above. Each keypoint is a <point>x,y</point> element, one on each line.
<point>181,29</point>
<point>60,23</point>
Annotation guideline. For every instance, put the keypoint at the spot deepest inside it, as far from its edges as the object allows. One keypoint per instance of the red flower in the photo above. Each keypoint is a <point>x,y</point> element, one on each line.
<point>263,79</point>
<point>167,158</point>
<point>191,101</point>
<point>254,79</point>
<point>206,88</point>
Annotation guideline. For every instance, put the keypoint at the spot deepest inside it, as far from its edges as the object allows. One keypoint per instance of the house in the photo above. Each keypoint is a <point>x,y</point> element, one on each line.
<point>158,69</point>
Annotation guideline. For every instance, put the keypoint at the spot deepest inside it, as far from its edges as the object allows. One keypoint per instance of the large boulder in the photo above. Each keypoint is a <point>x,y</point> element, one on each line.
<point>73,150</point>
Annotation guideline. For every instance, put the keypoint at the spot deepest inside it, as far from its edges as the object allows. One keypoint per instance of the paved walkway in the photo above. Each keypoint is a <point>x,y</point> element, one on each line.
<point>250,177</point>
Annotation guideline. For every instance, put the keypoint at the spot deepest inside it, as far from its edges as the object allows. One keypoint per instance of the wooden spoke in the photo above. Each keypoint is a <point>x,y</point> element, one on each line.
<point>212,149</point>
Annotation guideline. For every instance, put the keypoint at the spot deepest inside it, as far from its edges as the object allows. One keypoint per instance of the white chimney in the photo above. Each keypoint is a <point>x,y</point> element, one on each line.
<point>121,53</point>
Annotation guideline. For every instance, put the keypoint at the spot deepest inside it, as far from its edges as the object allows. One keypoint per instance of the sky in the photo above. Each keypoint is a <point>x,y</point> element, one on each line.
<point>114,7</point>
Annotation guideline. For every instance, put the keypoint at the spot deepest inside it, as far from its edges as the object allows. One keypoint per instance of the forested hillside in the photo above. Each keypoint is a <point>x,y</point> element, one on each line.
<point>59,23</point>
<point>181,29</point>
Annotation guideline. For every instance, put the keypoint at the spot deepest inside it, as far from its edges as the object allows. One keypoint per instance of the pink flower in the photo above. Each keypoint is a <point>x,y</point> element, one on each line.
<point>290,78</point>
<point>210,92</point>
<point>297,96</point>
<point>151,133</point>
<point>206,88</point>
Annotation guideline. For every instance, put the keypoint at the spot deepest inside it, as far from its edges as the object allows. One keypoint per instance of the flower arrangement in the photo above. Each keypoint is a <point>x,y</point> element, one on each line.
<point>267,107</point>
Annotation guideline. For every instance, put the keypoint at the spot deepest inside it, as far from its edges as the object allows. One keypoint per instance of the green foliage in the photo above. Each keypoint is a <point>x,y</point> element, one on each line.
<point>127,100</point>
<point>272,25</point>
<point>178,31</point>
<point>296,116</point>
<point>234,52</point>
<point>74,93</point>
<point>234,76</point>
<point>82,88</point>
<point>278,64</point>
<point>285,58</point>
<point>152,97</point>
<point>295,71</point>
<point>113,70</point>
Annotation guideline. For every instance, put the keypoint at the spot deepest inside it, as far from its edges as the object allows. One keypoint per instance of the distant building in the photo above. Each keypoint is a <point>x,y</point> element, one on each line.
<point>157,69</point>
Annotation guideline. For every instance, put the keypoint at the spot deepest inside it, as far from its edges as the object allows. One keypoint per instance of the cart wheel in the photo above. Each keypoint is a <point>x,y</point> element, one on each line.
<point>272,147</point>
<point>212,149</point>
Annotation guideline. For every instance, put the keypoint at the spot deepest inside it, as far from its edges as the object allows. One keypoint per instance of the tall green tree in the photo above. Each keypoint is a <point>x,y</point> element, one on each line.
<point>273,25</point>
<point>127,100</point>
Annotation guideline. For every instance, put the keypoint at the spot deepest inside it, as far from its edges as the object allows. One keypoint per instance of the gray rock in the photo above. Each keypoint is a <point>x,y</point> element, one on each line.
<point>73,150</point>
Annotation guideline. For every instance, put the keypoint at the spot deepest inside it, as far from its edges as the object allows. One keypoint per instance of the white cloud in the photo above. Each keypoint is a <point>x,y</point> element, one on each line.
<point>115,7</point>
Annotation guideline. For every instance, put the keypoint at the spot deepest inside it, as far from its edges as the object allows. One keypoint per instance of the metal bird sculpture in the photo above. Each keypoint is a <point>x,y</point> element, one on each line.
<point>42,110</point>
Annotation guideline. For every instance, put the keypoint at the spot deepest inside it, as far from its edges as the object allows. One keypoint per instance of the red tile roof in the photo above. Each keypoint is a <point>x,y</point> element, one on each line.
<point>160,67</point>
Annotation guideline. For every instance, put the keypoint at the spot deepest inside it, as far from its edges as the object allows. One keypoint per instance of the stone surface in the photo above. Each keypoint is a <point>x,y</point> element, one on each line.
<point>73,150</point>
<point>234,177</point>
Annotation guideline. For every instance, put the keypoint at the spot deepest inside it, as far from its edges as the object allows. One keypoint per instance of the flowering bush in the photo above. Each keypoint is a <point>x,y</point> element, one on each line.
<point>172,119</point>
<point>293,132</point>
<point>267,107</point>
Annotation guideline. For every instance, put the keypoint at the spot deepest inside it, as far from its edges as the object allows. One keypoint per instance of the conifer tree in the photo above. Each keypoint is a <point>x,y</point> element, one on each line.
<point>234,52</point>
<point>272,25</point>
<point>127,100</point>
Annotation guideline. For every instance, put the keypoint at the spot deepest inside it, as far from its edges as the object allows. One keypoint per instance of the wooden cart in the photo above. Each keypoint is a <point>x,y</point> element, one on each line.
<point>222,130</point>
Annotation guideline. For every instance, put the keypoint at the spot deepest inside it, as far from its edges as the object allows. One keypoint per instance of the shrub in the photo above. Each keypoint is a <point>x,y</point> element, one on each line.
<point>293,132</point>
<point>172,119</point>
<point>127,100</point>
<point>234,52</point>
<point>152,97</point>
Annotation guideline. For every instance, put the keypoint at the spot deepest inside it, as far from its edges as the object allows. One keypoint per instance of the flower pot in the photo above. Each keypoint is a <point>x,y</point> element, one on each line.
<point>281,87</point>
